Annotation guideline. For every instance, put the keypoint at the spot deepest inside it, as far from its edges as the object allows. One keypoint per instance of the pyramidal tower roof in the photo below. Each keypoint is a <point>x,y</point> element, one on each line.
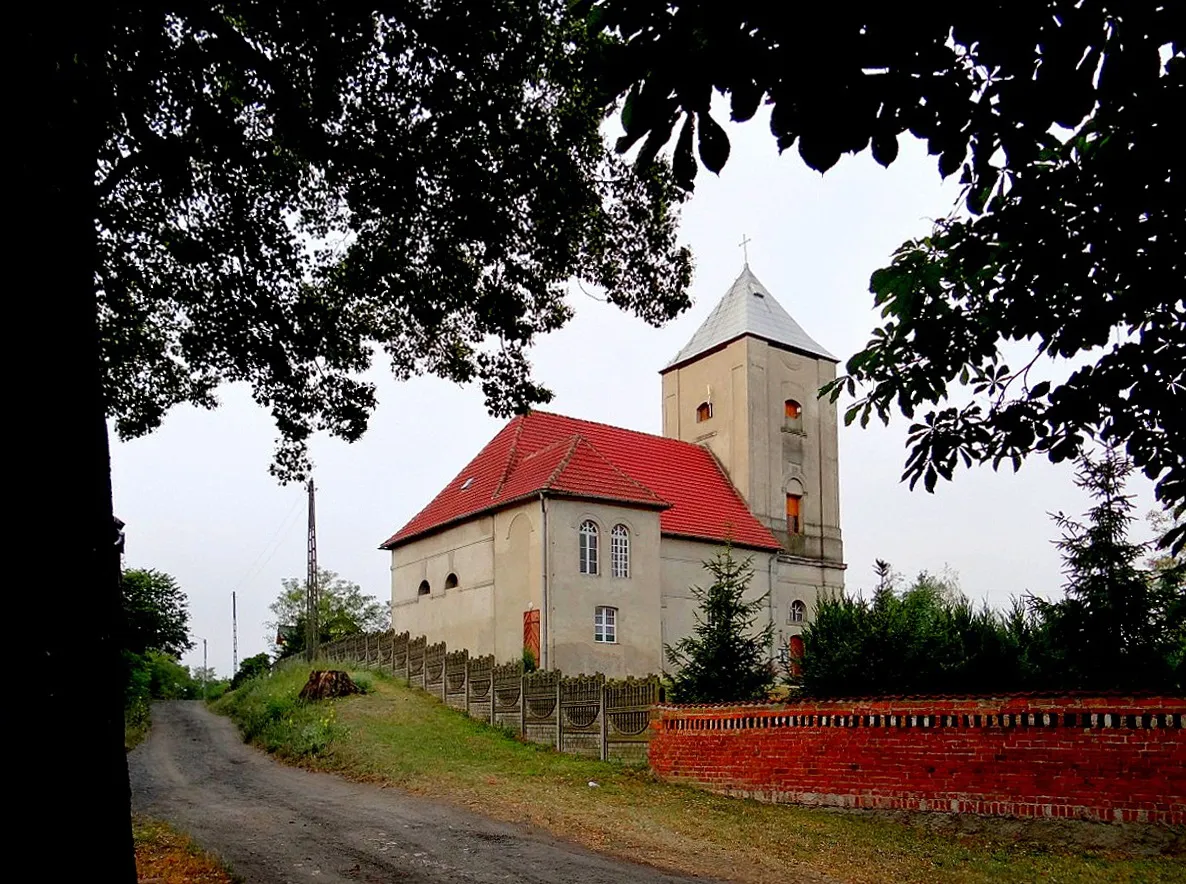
<point>748,308</point>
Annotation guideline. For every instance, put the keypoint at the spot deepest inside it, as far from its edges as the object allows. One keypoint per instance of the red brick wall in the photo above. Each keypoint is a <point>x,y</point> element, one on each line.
<point>1102,758</point>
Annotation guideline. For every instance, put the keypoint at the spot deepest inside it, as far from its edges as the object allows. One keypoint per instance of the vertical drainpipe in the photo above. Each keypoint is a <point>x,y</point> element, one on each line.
<point>545,609</point>
<point>770,601</point>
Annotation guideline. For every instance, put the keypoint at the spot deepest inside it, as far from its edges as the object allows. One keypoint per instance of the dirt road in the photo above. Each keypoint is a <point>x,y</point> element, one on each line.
<point>276,824</point>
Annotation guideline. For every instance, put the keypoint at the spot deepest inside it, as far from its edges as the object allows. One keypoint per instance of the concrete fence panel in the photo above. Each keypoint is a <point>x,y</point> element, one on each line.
<point>629,705</point>
<point>456,675</point>
<point>508,696</point>
<point>480,688</point>
<point>416,648</point>
<point>541,712</point>
<point>434,670</point>
<point>582,729</point>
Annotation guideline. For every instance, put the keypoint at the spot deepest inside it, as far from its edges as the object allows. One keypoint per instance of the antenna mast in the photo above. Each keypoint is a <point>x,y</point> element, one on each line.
<point>313,633</point>
<point>234,635</point>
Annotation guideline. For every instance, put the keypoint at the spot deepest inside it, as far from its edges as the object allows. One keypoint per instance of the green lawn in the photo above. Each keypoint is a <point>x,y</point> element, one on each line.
<point>403,737</point>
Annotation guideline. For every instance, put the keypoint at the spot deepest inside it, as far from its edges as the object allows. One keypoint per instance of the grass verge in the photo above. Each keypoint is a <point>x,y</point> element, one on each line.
<point>165,856</point>
<point>394,735</point>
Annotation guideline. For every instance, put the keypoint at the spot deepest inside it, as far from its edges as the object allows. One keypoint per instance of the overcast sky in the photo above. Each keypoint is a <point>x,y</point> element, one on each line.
<point>200,504</point>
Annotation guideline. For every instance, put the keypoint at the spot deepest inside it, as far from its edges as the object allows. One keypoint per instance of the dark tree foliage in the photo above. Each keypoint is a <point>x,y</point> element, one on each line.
<point>156,613</point>
<point>1061,119</point>
<point>250,667</point>
<point>285,190</point>
<point>276,194</point>
<point>725,658</point>
<point>1120,626</point>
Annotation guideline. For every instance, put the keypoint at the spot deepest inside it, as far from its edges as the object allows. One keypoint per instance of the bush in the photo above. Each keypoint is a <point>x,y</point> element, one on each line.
<point>251,667</point>
<point>150,676</point>
<point>927,639</point>
<point>1119,626</point>
<point>270,715</point>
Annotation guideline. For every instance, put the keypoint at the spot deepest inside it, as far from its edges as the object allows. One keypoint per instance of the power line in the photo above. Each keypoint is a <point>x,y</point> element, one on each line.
<point>257,566</point>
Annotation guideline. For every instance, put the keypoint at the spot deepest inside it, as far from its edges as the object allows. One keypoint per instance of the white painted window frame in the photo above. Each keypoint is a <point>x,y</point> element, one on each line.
<point>605,625</point>
<point>590,538</point>
<point>619,551</point>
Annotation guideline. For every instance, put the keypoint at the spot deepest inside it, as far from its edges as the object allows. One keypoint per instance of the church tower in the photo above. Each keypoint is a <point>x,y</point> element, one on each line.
<point>746,386</point>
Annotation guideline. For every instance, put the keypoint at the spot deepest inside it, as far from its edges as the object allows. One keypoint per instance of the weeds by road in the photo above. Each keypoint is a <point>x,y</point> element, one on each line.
<point>396,736</point>
<point>165,856</point>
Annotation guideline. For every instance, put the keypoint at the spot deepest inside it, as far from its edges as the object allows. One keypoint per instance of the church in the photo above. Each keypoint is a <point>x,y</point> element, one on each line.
<point>581,541</point>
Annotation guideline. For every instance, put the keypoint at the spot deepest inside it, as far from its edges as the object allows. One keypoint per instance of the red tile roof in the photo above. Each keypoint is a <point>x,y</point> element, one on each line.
<point>565,457</point>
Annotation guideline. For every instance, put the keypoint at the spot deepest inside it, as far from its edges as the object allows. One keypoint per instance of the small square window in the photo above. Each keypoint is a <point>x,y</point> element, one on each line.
<point>605,625</point>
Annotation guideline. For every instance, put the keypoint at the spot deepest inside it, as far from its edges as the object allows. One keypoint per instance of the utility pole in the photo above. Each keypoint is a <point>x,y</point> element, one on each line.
<point>204,669</point>
<point>234,635</point>
<point>313,633</point>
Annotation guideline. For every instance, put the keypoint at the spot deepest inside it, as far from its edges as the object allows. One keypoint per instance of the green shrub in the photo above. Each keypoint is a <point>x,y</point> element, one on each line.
<point>530,664</point>
<point>270,715</point>
<point>1119,626</point>
<point>252,667</point>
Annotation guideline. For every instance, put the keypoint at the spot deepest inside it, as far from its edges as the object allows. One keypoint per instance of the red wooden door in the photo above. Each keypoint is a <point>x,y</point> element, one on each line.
<point>531,632</point>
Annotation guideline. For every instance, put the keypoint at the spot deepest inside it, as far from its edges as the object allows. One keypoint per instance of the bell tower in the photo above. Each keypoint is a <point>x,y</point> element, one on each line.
<point>746,386</point>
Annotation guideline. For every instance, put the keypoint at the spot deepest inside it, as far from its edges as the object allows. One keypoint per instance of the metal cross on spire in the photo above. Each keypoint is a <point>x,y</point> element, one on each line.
<point>745,241</point>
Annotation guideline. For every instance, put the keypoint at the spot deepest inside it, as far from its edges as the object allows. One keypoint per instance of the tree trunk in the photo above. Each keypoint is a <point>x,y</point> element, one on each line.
<point>64,541</point>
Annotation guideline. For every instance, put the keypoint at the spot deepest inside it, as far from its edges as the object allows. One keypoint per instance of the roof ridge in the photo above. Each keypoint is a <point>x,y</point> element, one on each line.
<point>574,441</point>
<point>511,454</point>
<point>582,420</point>
<point>577,439</point>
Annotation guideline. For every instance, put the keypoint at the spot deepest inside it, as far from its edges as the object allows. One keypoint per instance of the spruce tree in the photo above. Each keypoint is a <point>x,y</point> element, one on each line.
<point>725,658</point>
<point>1121,625</point>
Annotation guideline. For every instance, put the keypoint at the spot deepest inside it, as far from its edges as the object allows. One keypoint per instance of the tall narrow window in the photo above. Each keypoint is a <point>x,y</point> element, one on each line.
<point>619,551</point>
<point>798,611</point>
<point>605,625</point>
<point>794,525</point>
<point>588,547</point>
<point>703,412</point>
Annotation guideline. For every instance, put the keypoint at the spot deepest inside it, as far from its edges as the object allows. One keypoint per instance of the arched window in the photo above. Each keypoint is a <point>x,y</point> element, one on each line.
<point>794,506</point>
<point>451,581</point>
<point>619,551</point>
<point>798,612</point>
<point>703,412</point>
<point>424,589</point>
<point>588,547</point>
<point>792,416</point>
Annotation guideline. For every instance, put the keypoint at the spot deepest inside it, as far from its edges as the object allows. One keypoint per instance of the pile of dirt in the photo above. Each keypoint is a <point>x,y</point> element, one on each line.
<point>324,684</point>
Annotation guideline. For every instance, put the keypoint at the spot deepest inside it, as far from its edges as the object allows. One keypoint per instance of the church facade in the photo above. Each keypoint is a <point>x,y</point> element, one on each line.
<point>582,541</point>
